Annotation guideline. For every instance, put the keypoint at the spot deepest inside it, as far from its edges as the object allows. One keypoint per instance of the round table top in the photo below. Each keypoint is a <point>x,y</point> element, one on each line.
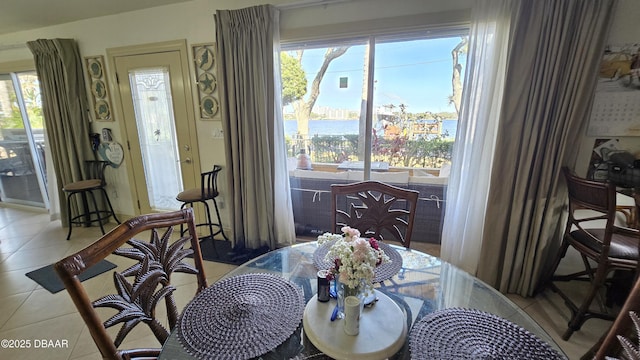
<point>383,329</point>
<point>424,284</point>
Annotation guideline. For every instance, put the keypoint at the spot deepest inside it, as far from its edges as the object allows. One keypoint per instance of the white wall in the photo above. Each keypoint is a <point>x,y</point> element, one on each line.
<point>193,21</point>
<point>624,30</point>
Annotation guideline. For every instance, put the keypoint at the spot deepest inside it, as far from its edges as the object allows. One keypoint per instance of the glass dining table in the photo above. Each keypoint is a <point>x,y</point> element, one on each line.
<point>424,284</point>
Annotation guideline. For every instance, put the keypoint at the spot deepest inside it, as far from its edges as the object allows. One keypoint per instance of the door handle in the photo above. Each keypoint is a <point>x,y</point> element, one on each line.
<point>187,160</point>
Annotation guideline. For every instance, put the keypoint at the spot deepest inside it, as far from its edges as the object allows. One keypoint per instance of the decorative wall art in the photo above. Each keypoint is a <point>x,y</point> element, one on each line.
<point>112,152</point>
<point>205,70</point>
<point>616,105</point>
<point>97,80</point>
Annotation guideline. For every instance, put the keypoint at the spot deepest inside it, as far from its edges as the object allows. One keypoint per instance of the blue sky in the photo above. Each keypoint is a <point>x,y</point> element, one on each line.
<point>416,73</point>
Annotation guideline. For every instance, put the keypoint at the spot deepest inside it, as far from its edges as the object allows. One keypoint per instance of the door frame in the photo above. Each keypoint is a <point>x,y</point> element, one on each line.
<point>142,49</point>
<point>45,187</point>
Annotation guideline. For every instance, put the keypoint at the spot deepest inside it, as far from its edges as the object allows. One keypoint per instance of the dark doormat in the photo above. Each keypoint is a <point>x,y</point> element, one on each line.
<point>221,251</point>
<point>48,278</point>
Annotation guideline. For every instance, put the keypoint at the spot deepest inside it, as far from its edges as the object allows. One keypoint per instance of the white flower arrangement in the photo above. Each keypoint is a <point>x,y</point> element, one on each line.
<point>326,237</point>
<point>354,258</point>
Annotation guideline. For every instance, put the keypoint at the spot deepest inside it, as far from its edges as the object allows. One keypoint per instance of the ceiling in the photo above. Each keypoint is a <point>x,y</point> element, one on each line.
<point>21,15</point>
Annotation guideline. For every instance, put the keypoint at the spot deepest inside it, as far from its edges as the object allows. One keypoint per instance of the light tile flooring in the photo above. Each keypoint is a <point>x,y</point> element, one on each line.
<point>29,241</point>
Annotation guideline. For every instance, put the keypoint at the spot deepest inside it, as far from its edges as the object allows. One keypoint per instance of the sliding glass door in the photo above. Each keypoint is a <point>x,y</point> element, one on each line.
<point>412,81</point>
<point>22,146</point>
<point>324,115</point>
<point>381,107</point>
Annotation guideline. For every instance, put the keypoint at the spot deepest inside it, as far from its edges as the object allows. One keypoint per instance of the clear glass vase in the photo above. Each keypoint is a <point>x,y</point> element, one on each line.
<point>343,290</point>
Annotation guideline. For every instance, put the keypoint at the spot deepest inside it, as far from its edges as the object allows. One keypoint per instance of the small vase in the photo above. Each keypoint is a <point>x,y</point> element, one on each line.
<point>343,290</point>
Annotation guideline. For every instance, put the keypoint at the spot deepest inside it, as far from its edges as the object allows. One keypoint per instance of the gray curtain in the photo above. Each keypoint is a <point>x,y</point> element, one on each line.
<point>552,69</point>
<point>248,53</point>
<point>65,108</point>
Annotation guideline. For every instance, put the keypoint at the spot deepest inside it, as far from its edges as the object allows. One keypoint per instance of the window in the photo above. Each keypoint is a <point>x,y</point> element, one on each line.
<point>22,147</point>
<point>390,102</point>
<point>415,98</point>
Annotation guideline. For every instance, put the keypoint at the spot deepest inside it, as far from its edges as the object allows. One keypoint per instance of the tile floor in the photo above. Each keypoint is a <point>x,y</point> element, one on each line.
<point>28,241</point>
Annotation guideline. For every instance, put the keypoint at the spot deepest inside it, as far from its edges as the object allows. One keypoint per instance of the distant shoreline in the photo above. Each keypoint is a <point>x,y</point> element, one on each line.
<point>359,119</point>
<point>324,119</point>
<point>349,127</point>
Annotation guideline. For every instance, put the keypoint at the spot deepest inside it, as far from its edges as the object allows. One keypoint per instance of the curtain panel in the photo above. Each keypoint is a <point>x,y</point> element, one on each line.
<point>473,153</point>
<point>531,72</point>
<point>248,48</point>
<point>554,57</point>
<point>65,108</point>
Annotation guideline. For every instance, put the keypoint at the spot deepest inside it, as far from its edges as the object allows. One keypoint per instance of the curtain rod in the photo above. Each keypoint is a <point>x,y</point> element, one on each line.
<point>309,3</point>
<point>12,46</point>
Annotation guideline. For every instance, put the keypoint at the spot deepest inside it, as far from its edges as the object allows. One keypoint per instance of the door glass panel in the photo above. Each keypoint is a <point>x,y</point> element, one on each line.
<point>324,115</point>
<point>22,147</point>
<point>151,92</point>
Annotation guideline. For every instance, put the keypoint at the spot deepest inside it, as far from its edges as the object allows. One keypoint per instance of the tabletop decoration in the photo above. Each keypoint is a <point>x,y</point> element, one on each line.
<point>382,272</point>
<point>458,333</point>
<point>241,317</point>
<point>354,261</point>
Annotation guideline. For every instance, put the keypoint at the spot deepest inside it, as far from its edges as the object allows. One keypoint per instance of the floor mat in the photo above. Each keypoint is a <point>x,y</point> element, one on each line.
<point>48,278</point>
<point>221,251</point>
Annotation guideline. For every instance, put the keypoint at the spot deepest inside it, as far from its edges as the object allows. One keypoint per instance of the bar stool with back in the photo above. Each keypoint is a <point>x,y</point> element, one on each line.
<point>94,174</point>
<point>603,247</point>
<point>208,190</point>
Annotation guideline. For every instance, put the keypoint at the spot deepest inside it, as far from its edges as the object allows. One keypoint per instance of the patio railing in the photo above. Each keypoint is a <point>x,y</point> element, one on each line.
<point>399,151</point>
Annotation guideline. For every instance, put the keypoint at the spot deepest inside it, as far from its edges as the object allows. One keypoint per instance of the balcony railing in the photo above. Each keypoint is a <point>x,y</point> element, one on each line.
<point>398,151</point>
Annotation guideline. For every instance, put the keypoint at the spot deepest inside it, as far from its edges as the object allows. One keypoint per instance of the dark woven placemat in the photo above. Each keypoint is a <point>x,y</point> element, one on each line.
<point>383,272</point>
<point>241,317</point>
<point>458,333</point>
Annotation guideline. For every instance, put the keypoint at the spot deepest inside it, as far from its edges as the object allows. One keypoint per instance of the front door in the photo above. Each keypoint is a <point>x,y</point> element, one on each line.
<point>159,126</point>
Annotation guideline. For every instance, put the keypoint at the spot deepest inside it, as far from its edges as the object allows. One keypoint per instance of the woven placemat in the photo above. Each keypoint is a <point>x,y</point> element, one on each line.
<point>383,272</point>
<point>241,317</point>
<point>458,333</point>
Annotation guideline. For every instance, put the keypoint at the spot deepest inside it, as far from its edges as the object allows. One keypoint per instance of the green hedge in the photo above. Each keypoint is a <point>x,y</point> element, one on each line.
<point>398,151</point>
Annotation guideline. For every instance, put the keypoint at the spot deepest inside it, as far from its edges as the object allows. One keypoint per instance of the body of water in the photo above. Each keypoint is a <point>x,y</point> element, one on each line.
<point>340,127</point>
